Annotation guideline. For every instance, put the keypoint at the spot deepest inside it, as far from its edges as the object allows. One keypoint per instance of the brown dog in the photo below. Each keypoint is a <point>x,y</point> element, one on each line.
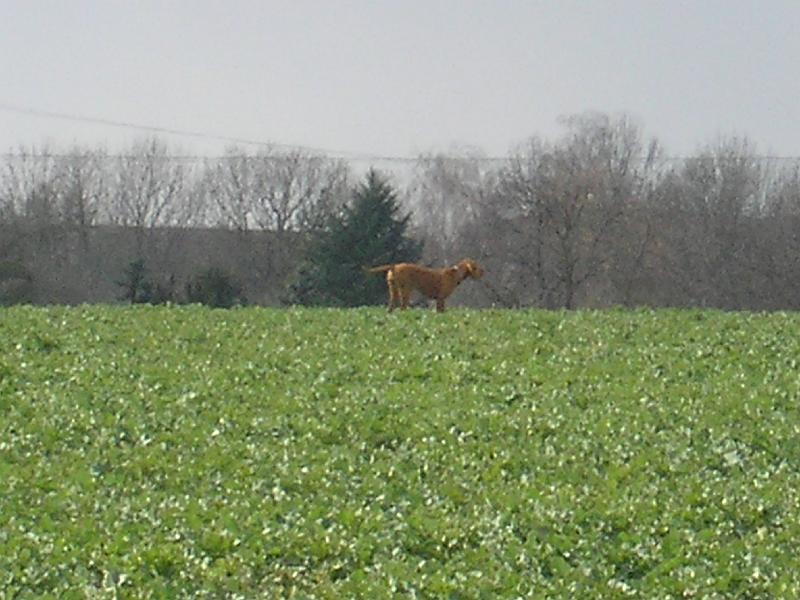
<point>437,284</point>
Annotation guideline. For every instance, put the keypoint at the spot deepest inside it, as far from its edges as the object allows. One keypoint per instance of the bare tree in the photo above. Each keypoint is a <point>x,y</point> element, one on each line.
<point>53,199</point>
<point>272,200</point>
<point>275,191</point>
<point>31,198</point>
<point>514,225</point>
<point>29,184</point>
<point>775,245</point>
<point>445,196</point>
<point>293,187</point>
<point>82,190</point>
<point>566,205</point>
<point>229,184</point>
<point>705,212</point>
<point>149,185</point>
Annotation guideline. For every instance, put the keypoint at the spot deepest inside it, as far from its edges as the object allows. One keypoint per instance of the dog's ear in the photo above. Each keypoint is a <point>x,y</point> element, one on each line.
<point>468,267</point>
<point>473,268</point>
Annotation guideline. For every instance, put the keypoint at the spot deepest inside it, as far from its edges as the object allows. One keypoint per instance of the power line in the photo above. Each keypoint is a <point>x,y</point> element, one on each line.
<point>405,160</point>
<point>172,131</point>
<point>344,154</point>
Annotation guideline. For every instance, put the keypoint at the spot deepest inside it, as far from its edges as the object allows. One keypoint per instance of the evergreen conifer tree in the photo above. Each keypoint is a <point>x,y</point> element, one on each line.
<point>369,231</point>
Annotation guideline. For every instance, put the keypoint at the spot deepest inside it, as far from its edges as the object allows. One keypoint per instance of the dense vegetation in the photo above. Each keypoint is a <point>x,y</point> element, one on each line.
<point>596,217</point>
<point>184,451</point>
<point>371,231</point>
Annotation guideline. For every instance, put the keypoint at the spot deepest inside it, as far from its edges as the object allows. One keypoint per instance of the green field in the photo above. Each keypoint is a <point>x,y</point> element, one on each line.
<point>309,453</point>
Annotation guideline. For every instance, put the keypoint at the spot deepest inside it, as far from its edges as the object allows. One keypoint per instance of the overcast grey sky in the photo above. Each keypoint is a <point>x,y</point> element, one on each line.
<point>397,77</point>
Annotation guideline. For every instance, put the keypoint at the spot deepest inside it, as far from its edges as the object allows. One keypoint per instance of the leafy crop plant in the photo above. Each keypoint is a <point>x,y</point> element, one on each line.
<point>318,453</point>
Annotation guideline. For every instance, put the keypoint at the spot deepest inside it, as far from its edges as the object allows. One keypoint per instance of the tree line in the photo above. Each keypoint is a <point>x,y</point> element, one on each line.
<point>600,216</point>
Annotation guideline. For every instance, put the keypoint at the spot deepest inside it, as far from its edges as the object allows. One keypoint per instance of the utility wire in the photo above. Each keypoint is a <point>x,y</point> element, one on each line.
<point>344,154</point>
<point>171,131</point>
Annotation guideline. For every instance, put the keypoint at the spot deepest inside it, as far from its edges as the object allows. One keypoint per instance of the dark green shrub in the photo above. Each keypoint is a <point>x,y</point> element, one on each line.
<point>214,287</point>
<point>136,289</point>
<point>370,231</point>
<point>139,289</point>
<point>16,283</point>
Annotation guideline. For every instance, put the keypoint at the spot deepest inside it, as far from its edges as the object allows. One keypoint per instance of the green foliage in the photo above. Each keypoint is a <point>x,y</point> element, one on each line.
<point>214,287</point>
<point>16,283</point>
<point>370,231</point>
<point>135,286</point>
<point>318,453</point>
<point>138,288</point>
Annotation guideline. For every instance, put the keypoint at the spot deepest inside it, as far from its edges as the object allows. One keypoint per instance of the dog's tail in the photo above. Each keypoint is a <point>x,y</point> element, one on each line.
<point>380,269</point>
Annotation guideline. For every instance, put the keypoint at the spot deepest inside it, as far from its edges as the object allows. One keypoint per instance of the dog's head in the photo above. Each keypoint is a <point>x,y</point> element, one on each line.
<point>470,268</point>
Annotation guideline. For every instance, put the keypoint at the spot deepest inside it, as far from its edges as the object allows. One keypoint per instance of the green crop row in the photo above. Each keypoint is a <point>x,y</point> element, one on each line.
<point>310,453</point>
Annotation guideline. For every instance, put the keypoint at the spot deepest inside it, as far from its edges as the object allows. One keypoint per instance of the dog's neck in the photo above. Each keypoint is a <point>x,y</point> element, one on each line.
<point>462,273</point>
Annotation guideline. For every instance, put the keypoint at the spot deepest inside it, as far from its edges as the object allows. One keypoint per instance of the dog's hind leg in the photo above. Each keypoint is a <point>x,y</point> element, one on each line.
<point>405,296</point>
<point>394,295</point>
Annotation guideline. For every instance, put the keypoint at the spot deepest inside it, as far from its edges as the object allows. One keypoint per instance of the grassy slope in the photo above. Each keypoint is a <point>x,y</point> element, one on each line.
<point>338,453</point>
